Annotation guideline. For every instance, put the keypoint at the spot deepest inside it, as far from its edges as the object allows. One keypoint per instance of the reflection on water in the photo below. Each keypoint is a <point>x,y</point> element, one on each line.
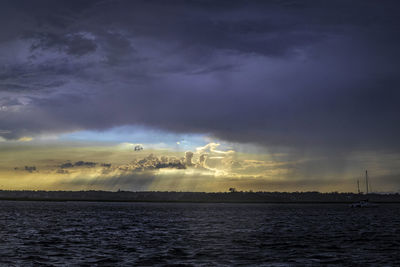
<point>116,234</point>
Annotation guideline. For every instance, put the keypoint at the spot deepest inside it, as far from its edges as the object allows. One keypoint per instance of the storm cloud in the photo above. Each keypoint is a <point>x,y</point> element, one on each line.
<point>279,73</point>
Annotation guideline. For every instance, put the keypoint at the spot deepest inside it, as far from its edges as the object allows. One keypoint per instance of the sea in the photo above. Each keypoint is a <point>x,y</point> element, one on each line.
<point>197,234</point>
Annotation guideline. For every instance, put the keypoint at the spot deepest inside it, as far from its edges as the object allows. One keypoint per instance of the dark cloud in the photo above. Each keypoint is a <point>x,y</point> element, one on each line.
<point>66,165</point>
<point>152,162</point>
<point>75,44</point>
<point>148,163</point>
<point>30,169</point>
<point>78,164</point>
<point>278,73</point>
<point>85,163</point>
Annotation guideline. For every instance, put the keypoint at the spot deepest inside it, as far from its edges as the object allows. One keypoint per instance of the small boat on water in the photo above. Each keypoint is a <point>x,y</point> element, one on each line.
<point>365,202</point>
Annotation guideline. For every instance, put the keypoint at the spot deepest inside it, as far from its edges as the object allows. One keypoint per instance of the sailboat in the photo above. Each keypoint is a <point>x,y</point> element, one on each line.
<point>365,202</point>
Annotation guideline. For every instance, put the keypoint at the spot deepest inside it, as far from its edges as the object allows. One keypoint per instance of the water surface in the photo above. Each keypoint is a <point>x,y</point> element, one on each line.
<point>147,234</point>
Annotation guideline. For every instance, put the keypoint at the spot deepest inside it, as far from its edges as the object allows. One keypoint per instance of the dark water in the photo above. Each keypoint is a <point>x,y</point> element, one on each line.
<point>147,234</point>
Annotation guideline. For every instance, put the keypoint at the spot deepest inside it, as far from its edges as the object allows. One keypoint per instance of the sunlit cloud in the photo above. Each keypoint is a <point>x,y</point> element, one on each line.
<point>25,139</point>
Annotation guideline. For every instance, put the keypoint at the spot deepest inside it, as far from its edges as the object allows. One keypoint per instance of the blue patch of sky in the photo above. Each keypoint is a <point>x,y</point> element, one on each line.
<point>140,135</point>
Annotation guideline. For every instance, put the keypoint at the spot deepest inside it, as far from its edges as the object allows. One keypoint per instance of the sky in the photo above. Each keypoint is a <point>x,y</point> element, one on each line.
<point>276,95</point>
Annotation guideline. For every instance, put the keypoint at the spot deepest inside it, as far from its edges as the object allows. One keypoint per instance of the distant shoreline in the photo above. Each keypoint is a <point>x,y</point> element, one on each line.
<point>193,202</point>
<point>197,197</point>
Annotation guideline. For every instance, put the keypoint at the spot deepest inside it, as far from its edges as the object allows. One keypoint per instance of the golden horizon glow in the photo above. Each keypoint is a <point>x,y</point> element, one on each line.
<point>59,166</point>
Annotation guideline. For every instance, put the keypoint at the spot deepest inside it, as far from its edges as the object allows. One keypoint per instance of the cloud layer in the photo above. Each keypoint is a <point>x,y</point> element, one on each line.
<point>212,167</point>
<point>280,73</point>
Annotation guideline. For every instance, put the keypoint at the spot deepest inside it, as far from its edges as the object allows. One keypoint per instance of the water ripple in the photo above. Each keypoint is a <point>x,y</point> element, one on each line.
<point>179,234</point>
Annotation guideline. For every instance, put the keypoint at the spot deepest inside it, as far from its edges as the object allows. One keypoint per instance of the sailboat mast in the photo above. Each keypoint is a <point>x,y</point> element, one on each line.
<point>366,179</point>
